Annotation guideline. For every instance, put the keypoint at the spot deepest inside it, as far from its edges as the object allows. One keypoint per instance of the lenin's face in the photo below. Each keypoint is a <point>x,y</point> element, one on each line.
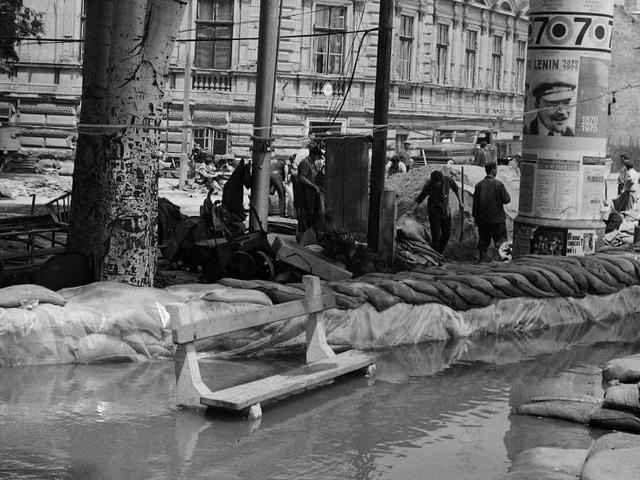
<point>555,115</point>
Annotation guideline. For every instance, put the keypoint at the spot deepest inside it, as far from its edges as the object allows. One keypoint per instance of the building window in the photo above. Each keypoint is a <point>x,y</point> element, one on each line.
<point>401,138</point>
<point>214,20</point>
<point>442,47</point>
<point>83,24</point>
<point>406,47</point>
<point>470,59</point>
<point>496,63</point>
<point>521,56</point>
<point>329,44</point>
<point>211,140</point>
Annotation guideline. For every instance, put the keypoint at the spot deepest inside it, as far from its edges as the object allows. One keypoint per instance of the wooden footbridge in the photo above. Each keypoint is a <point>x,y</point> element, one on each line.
<point>322,363</point>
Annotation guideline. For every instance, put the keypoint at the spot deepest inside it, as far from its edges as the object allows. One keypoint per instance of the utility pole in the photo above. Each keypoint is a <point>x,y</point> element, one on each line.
<point>380,119</point>
<point>186,108</point>
<point>265,81</point>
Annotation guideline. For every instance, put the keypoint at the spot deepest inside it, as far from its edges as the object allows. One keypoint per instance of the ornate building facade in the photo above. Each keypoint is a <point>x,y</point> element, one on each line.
<point>454,61</point>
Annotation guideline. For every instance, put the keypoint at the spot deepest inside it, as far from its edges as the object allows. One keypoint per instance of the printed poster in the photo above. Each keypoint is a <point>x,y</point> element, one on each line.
<point>566,119</point>
<point>581,242</point>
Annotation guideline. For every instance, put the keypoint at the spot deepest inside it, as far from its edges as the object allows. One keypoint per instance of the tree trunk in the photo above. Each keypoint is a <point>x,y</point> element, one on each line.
<point>114,212</point>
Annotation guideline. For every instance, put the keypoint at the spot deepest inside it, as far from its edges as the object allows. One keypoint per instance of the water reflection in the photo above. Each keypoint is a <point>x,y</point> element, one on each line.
<point>436,411</point>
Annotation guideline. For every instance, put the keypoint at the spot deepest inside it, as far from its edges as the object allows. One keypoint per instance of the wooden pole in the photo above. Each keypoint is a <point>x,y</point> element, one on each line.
<point>265,80</point>
<point>462,203</point>
<point>380,119</point>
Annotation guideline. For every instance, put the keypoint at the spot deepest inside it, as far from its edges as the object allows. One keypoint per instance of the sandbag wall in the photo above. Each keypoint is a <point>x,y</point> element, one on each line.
<point>107,321</point>
<point>613,456</point>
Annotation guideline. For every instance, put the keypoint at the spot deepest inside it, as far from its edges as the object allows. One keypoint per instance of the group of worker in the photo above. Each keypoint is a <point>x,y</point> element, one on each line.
<point>303,177</point>
<point>489,197</point>
<point>298,179</point>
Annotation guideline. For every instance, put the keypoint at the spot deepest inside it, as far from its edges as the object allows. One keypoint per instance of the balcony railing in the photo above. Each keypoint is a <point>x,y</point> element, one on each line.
<point>216,81</point>
<point>405,93</point>
<point>338,87</point>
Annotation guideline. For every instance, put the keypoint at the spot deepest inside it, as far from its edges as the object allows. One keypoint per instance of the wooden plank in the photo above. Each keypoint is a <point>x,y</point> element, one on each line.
<point>387,226</point>
<point>308,261</point>
<point>255,318</point>
<point>317,346</point>
<point>189,384</point>
<point>314,374</point>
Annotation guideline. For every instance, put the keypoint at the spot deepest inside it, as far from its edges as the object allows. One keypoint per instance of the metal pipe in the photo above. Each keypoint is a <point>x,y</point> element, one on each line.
<point>262,133</point>
<point>186,108</point>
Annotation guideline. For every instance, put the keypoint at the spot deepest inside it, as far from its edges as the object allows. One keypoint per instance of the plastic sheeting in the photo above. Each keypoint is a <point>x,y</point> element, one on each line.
<point>109,322</point>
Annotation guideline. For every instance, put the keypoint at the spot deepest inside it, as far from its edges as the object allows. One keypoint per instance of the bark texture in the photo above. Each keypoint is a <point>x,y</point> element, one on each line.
<point>114,213</point>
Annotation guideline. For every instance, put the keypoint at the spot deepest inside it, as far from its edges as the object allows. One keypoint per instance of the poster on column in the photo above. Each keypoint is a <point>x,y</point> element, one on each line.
<point>566,105</point>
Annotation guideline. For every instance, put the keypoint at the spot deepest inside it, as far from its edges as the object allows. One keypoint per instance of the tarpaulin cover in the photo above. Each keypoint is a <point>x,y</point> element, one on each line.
<point>110,321</point>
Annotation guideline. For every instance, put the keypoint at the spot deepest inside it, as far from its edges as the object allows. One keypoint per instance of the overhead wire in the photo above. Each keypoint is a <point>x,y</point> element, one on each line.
<point>257,19</point>
<point>199,39</point>
<point>421,126</point>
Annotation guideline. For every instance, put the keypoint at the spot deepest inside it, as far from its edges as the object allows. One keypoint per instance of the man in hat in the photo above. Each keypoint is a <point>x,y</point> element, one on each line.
<point>489,198</point>
<point>553,105</point>
<point>405,156</point>
<point>480,156</point>
<point>437,189</point>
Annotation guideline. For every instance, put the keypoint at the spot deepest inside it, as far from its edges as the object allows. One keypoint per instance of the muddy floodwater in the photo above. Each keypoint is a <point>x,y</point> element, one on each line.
<point>435,411</point>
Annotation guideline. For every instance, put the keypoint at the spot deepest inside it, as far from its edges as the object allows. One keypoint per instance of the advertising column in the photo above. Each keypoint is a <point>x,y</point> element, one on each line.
<point>563,173</point>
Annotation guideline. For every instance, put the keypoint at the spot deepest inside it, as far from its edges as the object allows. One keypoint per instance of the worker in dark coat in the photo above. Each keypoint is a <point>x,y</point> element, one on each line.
<point>489,198</point>
<point>233,191</point>
<point>305,192</point>
<point>276,184</point>
<point>437,189</point>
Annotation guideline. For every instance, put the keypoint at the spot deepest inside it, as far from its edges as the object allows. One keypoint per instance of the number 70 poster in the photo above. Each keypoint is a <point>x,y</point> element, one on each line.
<point>566,123</point>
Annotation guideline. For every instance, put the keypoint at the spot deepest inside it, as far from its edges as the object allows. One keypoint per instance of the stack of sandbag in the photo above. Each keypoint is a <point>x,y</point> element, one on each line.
<point>413,244</point>
<point>615,456</point>
<point>464,287</point>
<point>105,321</point>
<point>619,410</point>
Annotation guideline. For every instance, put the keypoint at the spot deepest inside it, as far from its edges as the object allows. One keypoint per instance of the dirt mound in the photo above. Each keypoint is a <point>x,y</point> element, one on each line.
<point>408,186</point>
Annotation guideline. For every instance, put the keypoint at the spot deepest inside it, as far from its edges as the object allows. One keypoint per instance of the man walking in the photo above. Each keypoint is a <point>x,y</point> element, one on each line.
<point>437,189</point>
<point>489,197</point>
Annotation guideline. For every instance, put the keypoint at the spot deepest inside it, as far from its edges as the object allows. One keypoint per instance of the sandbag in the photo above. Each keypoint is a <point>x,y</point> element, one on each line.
<point>572,411</point>
<point>622,464</point>
<point>192,290</point>
<point>615,420</point>
<point>29,296</point>
<point>614,441</point>
<point>549,460</point>
<point>409,228</point>
<point>101,348</point>
<point>236,295</point>
<point>622,397</point>
<point>118,296</point>
<point>537,474</point>
<point>625,369</point>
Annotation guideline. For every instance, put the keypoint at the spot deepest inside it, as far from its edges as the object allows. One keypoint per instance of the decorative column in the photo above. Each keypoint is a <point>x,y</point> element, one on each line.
<point>565,128</point>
